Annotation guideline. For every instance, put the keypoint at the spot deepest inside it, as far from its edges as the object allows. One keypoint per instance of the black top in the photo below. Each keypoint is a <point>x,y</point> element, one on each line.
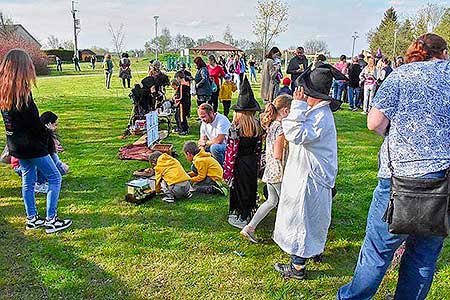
<point>297,63</point>
<point>26,136</point>
<point>251,63</point>
<point>353,75</point>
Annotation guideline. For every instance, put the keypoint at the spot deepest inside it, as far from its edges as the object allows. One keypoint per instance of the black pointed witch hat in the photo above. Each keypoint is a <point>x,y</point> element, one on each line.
<point>246,100</point>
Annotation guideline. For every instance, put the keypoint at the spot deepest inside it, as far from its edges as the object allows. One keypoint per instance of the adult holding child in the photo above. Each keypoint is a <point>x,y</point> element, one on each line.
<point>269,75</point>
<point>28,139</point>
<point>213,131</point>
<point>418,91</point>
<point>202,82</point>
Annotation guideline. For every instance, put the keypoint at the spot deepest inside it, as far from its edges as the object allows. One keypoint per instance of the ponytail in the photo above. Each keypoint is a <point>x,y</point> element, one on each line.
<point>269,115</point>
<point>425,48</point>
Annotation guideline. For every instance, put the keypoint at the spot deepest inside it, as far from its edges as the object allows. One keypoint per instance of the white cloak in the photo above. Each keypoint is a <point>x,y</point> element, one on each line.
<point>304,210</point>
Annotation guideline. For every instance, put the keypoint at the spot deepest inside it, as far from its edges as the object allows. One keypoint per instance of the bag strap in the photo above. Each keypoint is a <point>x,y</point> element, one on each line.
<point>391,168</point>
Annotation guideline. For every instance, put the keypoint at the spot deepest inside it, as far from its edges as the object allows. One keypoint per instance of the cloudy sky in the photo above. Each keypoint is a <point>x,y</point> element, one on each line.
<point>331,20</point>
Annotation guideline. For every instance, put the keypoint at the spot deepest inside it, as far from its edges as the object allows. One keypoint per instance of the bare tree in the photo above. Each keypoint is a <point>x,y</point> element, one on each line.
<point>6,26</point>
<point>53,42</point>
<point>271,21</point>
<point>228,36</point>
<point>118,38</point>
<point>315,46</point>
<point>68,45</point>
<point>432,14</point>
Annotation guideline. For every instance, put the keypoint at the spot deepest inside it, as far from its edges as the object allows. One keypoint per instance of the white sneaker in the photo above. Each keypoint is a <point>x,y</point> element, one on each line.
<point>34,222</point>
<point>56,224</point>
<point>237,222</point>
<point>168,200</point>
<point>41,188</point>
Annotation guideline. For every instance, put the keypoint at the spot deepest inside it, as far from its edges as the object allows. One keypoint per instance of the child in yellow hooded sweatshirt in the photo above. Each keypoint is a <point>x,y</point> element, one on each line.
<point>206,172</point>
<point>170,177</point>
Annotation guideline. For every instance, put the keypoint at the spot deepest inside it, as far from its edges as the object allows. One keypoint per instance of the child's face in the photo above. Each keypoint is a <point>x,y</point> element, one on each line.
<point>175,87</point>
<point>188,156</point>
<point>52,126</point>
<point>284,112</point>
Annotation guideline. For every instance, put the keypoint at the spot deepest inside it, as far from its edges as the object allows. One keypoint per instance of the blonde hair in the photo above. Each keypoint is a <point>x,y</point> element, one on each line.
<point>246,123</point>
<point>371,64</point>
<point>272,109</point>
<point>17,76</point>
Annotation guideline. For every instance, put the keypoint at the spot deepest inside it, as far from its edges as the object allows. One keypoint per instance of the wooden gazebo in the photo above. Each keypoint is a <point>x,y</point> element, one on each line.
<point>214,47</point>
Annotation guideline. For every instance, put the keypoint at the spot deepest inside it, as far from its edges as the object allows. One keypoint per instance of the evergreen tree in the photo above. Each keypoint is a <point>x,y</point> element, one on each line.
<point>443,28</point>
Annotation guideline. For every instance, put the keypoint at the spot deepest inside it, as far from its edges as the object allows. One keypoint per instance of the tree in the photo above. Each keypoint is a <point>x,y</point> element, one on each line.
<point>443,28</point>
<point>53,42</point>
<point>99,50</point>
<point>161,43</point>
<point>182,42</point>
<point>228,36</point>
<point>6,28</point>
<point>117,38</point>
<point>271,21</point>
<point>68,45</point>
<point>205,40</point>
<point>386,34</point>
<point>315,46</point>
<point>432,14</point>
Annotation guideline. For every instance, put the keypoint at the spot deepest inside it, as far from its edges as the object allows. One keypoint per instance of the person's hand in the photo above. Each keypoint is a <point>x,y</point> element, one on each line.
<point>202,143</point>
<point>299,94</point>
<point>65,167</point>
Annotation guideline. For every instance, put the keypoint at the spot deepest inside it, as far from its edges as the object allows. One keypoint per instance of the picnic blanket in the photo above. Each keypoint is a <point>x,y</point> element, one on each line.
<point>136,151</point>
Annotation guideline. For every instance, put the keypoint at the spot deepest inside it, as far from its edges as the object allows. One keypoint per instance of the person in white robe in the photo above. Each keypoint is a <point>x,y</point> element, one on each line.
<point>304,210</point>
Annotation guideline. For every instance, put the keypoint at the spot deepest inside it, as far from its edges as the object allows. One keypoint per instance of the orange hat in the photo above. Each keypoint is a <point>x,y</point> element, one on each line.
<point>286,81</point>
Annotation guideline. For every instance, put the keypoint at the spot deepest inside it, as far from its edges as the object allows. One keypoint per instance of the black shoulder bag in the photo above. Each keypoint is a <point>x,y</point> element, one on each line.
<point>418,206</point>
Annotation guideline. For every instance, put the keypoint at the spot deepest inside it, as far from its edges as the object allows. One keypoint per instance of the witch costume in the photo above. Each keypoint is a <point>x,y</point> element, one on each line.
<point>304,211</point>
<point>241,165</point>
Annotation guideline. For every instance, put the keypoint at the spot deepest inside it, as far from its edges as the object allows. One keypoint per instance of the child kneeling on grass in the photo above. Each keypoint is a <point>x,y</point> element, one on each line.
<point>170,177</point>
<point>206,173</point>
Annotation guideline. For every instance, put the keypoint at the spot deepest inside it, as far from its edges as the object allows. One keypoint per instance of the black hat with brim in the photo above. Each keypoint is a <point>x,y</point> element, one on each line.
<point>246,100</point>
<point>317,83</point>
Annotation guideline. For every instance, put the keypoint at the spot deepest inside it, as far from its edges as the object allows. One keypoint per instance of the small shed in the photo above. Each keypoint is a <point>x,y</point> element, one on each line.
<point>86,54</point>
<point>214,47</point>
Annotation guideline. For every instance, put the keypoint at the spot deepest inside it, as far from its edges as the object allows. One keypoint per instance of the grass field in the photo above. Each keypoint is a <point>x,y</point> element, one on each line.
<point>116,250</point>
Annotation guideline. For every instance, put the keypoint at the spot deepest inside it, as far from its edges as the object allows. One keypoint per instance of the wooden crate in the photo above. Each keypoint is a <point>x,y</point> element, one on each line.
<point>164,148</point>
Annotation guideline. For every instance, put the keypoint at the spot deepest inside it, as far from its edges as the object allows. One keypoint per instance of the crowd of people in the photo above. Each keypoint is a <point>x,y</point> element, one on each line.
<point>295,131</point>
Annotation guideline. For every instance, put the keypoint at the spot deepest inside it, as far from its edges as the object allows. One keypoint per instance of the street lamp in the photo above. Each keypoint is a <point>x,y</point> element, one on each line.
<point>354,36</point>
<point>395,42</point>
<point>156,35</point>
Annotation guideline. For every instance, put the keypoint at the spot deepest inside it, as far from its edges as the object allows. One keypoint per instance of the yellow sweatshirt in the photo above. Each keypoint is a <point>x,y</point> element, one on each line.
<point>226,91</point>
<point>170,170</point>
<point>207,166</point>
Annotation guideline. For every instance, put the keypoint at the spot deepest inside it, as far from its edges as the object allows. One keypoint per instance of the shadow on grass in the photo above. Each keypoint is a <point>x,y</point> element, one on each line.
<point>40,266</point>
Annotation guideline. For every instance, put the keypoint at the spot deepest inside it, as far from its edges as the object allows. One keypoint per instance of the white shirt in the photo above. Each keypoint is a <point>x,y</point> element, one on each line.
<point>220,125</point>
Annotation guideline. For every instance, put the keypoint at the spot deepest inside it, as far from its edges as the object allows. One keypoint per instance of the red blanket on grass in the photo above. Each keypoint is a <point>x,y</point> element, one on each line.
<point>135,152</point>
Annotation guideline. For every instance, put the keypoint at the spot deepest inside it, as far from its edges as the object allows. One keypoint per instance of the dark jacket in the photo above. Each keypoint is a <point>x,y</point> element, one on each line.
<point>353,75</point>
<point>294,65</point>
<point>26,136</point>
<point>202,82</point>
<point>285,90</point>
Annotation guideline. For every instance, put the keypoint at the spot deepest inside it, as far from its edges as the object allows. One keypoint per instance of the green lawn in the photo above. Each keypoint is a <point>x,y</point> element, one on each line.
<point>116,250</point>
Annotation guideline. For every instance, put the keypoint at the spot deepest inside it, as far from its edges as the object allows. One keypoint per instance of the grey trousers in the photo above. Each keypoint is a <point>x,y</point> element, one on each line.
<point>204,186</point>
<point>274,191</point>
<point>177,190</point>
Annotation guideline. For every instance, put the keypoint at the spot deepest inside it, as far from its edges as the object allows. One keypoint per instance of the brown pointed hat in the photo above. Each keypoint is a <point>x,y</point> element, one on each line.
<point>246,100</point>
<point>317,83</point>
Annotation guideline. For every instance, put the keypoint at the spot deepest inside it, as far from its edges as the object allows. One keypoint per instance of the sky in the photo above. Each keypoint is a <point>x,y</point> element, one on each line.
<point>328,20</point>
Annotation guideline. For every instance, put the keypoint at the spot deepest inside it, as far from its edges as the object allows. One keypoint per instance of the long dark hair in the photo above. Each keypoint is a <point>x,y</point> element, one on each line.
<point>272,52</point>
<point>199,63</point>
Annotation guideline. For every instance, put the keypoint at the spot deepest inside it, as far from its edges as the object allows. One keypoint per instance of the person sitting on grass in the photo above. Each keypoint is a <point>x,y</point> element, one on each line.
<point>206,173</point>
<point>170,177</point>
<point>181,104</point>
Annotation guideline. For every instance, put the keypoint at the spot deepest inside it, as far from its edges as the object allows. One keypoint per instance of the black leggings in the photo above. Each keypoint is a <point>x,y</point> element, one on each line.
<point>128,81</point>
<point>226,107</point>
<point>214,101</point>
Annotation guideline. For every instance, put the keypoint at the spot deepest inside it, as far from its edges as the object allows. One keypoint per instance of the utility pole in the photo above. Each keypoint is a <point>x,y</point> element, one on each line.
<point>156,35</point>
<point>354,36</point>
<point>76,29</point>
<point>395,42</point>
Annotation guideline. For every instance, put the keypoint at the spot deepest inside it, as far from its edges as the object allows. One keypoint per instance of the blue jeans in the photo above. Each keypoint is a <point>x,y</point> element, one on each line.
<point>353,96</point>
<point>252,73</point>
<point>218,152</point>
<point>418,262</point>
<point>338,89</point>
<point>41,178</point>
<point>47,167</point>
